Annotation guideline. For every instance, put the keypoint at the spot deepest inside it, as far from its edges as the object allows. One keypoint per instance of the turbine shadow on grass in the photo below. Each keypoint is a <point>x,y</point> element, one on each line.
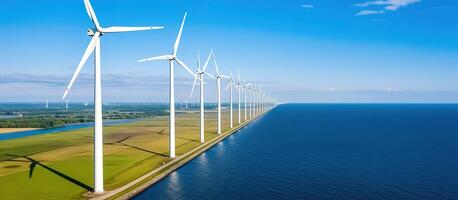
<point>145,150</point>
<point>161,132</point>
<point>183,138</point>
<point>191,140</point>
<point>34,163</point>
<point>121,142</point>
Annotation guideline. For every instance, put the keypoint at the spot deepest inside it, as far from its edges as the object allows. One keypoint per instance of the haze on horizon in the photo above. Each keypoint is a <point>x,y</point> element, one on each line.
<point>301,51</point>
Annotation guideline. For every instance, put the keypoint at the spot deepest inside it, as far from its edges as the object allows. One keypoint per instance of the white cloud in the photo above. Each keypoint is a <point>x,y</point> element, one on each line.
<point>389,5</point>
<point>369,12</point>
<point>307,6</point>
<point>116,87</point>
<point>109,80</point>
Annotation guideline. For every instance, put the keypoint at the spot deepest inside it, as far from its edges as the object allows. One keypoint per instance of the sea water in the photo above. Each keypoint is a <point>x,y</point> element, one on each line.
<point>328,151</point>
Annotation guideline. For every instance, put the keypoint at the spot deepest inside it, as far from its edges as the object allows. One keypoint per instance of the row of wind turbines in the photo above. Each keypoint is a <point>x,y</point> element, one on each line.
<point>251,108</point>
<point>258,102</point>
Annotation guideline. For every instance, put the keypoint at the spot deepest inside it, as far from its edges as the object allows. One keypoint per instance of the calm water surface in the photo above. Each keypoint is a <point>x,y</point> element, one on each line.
<point>307,151</point>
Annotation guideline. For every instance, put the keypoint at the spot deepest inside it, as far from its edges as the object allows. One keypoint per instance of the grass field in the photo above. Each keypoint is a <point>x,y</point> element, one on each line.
<point>60,166</point>
<point>9,130</point>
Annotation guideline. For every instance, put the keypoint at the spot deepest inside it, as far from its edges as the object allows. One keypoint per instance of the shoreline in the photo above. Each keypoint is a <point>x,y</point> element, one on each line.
<point>140,184</point>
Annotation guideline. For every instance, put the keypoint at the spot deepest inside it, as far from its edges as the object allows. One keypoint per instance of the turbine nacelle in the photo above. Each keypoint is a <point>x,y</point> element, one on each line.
<point>96,32</point>
<point>91,32</point>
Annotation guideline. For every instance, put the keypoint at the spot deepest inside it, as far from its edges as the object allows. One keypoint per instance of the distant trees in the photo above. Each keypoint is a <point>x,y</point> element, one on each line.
<point>36,116</point>
<point>37,122</point>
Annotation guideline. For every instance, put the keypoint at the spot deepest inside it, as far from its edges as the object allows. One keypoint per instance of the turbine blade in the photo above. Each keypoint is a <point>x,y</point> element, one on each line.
<point>83,60</point>
<point>193,85</point>
<point>216,65</point>
<point>184,66</point>
<point>224,76</point>
<point>198,60</point>
<point>211,76</point>
<point>118,29</point>
<point>177,41</point>
<point>238,72</point>
<point>208,59</point>
<point>91,13</point>
<point>164,57</point>
<point>236,86</point>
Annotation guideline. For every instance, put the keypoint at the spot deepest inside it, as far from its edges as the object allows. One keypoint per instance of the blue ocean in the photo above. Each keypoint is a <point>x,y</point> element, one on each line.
<point>328,151</point>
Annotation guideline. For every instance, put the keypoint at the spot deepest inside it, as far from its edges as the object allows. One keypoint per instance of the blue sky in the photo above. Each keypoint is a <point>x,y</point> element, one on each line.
<point>302,51</point>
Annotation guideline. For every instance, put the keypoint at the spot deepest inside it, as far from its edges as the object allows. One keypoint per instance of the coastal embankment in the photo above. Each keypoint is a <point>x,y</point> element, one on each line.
<point>138,185</point>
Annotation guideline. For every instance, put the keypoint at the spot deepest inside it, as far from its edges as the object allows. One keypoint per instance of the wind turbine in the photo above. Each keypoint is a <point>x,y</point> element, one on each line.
<point>245,90</point>
<point>218,88</point>
<point>238,85</point>
<point>172,58</point>
<point>231,83</point>
<point>96,32</point>
<point>258,93</point>
<point>200,75</point>
<point>261,94</point>
<point>261,100</point>
<point>256,100</point>
<point>250,89</point>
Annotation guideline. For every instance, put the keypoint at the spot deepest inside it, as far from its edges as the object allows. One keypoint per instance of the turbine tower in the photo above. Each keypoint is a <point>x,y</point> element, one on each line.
<point>172,58</point>
<point>218,92</point>
<point>259,100</point>
<point>250,89</point>
<point>200,75</point>
<point>238,85</point>
<point>231,83</point>
<point>245,90</point>
<point>261,94</point>
<point>94,46</point>
<point>256,100</point>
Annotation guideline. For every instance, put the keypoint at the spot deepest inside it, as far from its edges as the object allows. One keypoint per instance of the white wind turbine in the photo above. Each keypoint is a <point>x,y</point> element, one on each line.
<point>231,83</point>
<point>200,75</point>
<point>238,85</point>
<point>263,100</point>
<point>260,100</point>
<point>218,88</point>
<point>250,89</point>
<point>266,101</point>
<point>96,32</point>
<point>245,90</point>
<point>172,58</point>
<point>256,99</point>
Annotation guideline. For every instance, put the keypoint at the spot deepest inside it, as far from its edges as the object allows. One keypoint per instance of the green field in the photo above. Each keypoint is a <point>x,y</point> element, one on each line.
<point>60,166</point>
